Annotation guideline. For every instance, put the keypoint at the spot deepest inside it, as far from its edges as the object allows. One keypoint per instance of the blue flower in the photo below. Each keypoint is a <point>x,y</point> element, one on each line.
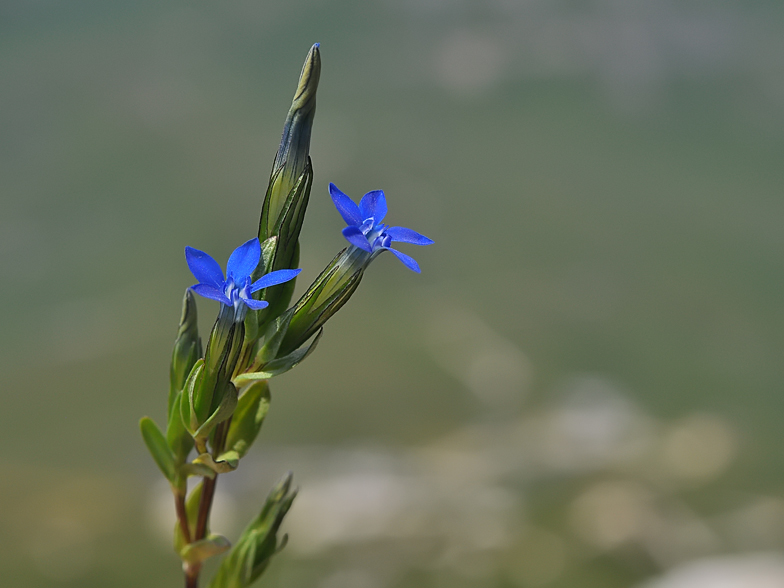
<point>236,289</point>
<point>365,229</point>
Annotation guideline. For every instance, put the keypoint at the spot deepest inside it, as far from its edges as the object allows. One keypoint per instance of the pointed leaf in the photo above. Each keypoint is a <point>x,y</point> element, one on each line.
<point>252,407</point>
<point>281,365</point>
<point>273,337</point>
<point>200,551</point>
<point>224,411</point>
<point>195,378</point>
<point>159,449</point>
<point>197,469</point>
<point>226,462</point>
<point>177,436</point>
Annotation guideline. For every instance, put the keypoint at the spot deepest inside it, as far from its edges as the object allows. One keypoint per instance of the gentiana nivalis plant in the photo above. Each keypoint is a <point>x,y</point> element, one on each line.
<point>219,394</point>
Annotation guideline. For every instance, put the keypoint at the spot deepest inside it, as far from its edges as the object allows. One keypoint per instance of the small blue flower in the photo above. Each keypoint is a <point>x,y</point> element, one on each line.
<point>365,229</point>
<point>236,289</point>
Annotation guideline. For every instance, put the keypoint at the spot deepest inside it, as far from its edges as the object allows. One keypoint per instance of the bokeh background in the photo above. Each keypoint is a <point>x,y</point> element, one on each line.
<point>582,388</point>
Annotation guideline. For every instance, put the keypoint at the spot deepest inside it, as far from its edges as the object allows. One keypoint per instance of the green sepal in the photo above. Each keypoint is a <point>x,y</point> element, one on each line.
<point>223,350</point>
<point>325,296</point>
<point>251,555</point>
<point>203,549</point>
<point>224,411</point>
<point>159,448</point>
<point>252,407</point>
<point>225,463</point>
<point>280,365</point>
<point>177,436</point>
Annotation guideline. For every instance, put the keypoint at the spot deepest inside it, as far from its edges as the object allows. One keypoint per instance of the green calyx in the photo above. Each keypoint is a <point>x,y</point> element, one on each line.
<point>328,293</point>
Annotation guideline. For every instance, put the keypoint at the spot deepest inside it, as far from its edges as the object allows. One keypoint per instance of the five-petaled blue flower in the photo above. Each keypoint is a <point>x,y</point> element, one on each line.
<point>236,289</point>
<point>365,229</point>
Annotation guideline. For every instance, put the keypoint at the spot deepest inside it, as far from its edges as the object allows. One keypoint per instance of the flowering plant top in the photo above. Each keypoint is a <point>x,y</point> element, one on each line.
<point>365,229</point>
<point>219,392</point>
<point>236,289</point>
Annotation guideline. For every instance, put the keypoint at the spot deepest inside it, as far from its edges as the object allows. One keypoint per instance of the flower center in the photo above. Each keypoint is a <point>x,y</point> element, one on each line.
<point>375,233</point>
<point>233,292</point>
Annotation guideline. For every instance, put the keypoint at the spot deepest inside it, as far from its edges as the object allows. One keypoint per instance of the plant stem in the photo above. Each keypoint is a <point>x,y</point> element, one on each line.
<point>205,502</point>
<point>191,572</point>
<point>192,576</point>
<point>205,505</point>
<point>182,515</point>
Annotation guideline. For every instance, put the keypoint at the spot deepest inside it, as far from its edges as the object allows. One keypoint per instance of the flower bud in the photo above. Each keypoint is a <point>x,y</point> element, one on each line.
<point>292,158</point>
<point>187,347</point>
<point>288,192</point>
<point>253,551</point>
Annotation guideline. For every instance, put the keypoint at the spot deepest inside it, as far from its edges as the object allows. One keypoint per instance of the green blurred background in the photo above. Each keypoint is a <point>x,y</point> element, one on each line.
<point>582,388</point>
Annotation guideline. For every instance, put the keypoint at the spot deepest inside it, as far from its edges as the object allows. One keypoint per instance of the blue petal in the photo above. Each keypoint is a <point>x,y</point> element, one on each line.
<point>404,235</point>
<point>274,278</point>
<point>243,260</point>
<point>204,268</point>
<point>211,292</point>
<point>255,304</point>
<point>356,237</point>
<point>373,204</point>
<point>345,205</point>
<point>409,262</point>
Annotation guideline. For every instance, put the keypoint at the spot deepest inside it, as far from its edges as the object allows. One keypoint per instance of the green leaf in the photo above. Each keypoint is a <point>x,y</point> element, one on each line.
<point>280,365</point>
<point>273,337</point>
<point>195,378</point>
<point>226,462</point>
<point>197,469</point>
<point>224,411</point>
<point>202,550</point>
<point>158,447</point>
<point>285,363</point>
<point>248,418</point>
<point>177,436</point>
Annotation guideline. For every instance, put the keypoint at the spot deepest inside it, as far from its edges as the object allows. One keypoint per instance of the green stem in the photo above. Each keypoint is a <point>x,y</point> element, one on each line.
<point>182,515</point>
<point>208,490</point>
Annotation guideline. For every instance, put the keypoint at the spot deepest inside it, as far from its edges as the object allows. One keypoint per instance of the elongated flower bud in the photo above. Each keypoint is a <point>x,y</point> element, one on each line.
<point>251,555</point>
<point>187,347</point>
<point>288,193</point>
<point>292,157</point>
